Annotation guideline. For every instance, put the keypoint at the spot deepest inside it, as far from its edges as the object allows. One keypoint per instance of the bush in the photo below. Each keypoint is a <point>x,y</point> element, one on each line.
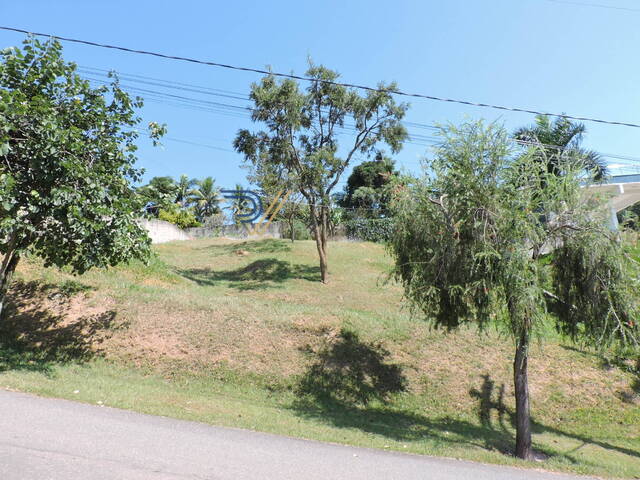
<point>299,229</point>
<point>214,222</point>
<point>181,218</point>
<point>370,229</point>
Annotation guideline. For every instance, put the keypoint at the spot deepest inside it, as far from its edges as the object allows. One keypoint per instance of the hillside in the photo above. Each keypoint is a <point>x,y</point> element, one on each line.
<point>243,334</point>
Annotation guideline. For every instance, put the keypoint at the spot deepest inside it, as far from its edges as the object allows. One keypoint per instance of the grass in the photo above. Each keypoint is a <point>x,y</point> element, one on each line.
<point>242,334</point>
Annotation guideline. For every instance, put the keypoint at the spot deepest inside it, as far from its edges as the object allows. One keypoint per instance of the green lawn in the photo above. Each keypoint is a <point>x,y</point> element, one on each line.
<point>243,334</point>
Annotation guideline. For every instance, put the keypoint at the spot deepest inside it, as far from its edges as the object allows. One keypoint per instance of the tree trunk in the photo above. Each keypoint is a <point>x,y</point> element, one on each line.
<point>8,266</point>
<point>320,234</point>
<point>291,229</point>
<point>323,262</point>
<point>521,383</point>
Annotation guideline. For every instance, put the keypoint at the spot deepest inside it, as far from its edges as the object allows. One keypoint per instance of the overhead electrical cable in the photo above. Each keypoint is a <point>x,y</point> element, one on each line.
<point>596,5</point>
<point>307,79</point>
<point>199,88</point>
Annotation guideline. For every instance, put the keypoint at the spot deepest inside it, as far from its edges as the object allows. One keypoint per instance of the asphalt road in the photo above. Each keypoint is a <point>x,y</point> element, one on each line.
<point>47,439</point>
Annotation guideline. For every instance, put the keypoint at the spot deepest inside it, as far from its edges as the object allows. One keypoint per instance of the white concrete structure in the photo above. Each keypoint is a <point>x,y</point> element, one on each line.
<point>160,231</point>
<point>623,190</point>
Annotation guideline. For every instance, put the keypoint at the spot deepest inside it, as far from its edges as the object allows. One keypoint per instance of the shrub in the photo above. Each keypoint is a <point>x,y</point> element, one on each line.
<point>370,229</point>
<point>299,229</point>
<point>181,218</point>
<point>214,222</point>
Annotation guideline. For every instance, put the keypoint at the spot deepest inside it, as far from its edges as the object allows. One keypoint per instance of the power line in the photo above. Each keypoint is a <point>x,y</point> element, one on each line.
<point>236,111</point>
<point>307,79</point>
<point>198,144</point>
<point>169,84</point>
<point>192,103</point>
<point>243,112</point>
<point>596,5</point>
<point>196,103</point>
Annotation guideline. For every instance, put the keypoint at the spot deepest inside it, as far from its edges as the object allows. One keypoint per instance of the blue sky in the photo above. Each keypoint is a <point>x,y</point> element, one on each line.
<point>539,54</point>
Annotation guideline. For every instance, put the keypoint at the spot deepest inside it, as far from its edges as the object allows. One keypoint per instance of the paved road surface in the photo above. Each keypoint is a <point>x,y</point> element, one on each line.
<point>47,439</point>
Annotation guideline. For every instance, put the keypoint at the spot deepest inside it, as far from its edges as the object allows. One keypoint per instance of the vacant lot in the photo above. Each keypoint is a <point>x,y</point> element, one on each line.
<point>243,334</point>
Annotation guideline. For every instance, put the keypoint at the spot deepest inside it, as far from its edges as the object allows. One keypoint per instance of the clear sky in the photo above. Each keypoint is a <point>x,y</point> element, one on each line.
<point>549,55</point>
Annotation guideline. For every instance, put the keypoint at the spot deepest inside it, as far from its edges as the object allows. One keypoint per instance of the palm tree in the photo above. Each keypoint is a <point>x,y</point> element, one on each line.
<point>183,190</point>
<point>205,197</point>
<point>559,141</point>
<point>239,205</point>
<point>159,193</point>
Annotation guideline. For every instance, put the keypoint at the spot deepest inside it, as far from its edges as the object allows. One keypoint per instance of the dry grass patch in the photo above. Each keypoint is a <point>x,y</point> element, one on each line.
<point>252,326</point>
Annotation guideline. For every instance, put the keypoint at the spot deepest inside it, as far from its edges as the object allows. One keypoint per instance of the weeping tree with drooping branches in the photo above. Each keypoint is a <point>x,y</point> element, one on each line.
<point>469,242</point>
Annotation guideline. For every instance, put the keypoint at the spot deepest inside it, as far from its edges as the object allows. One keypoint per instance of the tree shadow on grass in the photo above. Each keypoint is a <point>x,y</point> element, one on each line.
<point>488,402</point>
<point>268,245</point>
<point>349,385</point>
<point>343,389</point>
<point>37,331</point>
<point>351,371</point>
<point>259,275</point>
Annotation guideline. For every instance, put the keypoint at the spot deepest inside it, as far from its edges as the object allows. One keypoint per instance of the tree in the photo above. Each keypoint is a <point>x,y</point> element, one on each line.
<point>301,135</point>
<point>366,189</point>
<point>206,198</point>
<point>292,212</point>
<point>66,165</point>
<point>275,183</point>
<point>239,205</point>
<point>160,191</point>
<point>468,246</point>
<point>184,186</point>
<point>559,143</point>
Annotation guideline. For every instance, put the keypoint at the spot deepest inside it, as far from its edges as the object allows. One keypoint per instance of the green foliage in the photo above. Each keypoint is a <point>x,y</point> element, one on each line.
<point>468,238</point>
<point>184,186</point>
<point>183,218</point>
<point>469,235</point>
<point>215,221</point>
<point>301,136</point>
<point>67,155</point>
<point>558,143</point>
<point>239,206</point>
<point>592,277</point>
<point>370,229</point>
<point>160,191</point>
<point>300,231</point>
<point>630,217</point>
<point>205,197</point>
<point>367,187</point>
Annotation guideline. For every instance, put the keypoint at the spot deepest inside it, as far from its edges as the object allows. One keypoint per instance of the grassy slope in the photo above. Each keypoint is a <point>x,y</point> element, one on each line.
<point>222,332</point>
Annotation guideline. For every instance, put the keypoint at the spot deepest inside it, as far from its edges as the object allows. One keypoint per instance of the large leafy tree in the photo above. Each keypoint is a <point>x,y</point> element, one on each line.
<point>301,136</point>
<point>66,165</point>
<point>469,241</point>
<point>206,198</point>
<point>559,144</point>
<point>367,187</point>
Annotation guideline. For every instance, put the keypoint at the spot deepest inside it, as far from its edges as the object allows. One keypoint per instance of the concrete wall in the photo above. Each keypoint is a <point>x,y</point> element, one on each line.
<point>160,231</point>
<point>234,231</point>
